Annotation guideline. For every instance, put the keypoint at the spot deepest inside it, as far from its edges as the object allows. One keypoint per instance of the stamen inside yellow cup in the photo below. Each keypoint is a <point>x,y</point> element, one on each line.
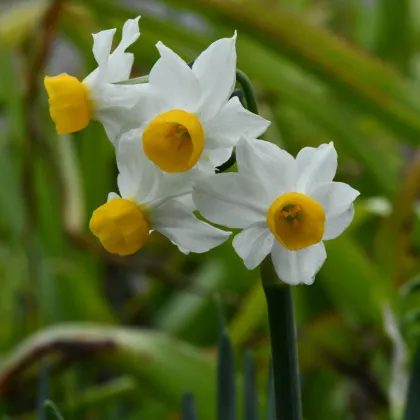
<point>296,220</point>
<point>174,141</point>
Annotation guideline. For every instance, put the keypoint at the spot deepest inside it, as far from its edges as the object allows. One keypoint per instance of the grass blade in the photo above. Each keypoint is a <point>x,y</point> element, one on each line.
<point>358,78</point>
<point>189,411</point>
<point>412,408</point>
<point>43,389</point>
<point>250,390</point>
<point>49,404</point>
<point>225,379</point>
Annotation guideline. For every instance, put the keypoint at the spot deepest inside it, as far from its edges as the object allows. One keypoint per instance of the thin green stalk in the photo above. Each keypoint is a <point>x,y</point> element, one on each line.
<point>52,407</point>
<point>283,344</point>
<point>250,104</point>
<point>249,92</point>
<point>134,81</point>
<point>412,407</point>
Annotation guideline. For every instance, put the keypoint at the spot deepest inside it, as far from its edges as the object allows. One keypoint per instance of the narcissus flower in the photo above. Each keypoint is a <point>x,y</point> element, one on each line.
<point>150,200</point>
<point>285,206</point>
<point>74,103</point>
<point>191,119</point>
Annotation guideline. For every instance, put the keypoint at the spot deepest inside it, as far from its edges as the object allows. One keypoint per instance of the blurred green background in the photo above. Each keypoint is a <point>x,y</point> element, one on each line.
<point>125,337</point>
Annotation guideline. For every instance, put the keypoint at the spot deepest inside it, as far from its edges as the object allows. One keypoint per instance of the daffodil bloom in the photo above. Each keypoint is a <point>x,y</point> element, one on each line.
<point>150,200</point>
<point>285,206</point>
<point>74,103</point>
<point>191,119</point>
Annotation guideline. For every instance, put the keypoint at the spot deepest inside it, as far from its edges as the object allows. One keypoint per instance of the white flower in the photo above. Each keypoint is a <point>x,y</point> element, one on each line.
<point>285,206</point>
<point>150,200</point>
<point>190,117</point>
<point>73,103</point>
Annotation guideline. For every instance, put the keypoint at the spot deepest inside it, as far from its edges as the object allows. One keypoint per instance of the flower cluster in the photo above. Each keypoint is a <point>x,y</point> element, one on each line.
<point>171,133</point>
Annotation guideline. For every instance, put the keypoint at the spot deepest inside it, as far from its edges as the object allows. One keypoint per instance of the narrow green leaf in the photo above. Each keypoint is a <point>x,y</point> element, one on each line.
<point>43,389</point>
<point>49,404</point>
<point>412,407</point>
<point>226,393</point>
<point>250,389</point>
<point>155,360</point>
<point>393,41</point>
<point>249,315</point>
<point>189,411</point>
<point>358,78</point>
<point>19,19</point>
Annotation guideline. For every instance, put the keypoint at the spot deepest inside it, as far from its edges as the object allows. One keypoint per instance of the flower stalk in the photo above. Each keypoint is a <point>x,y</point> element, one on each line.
<point>283,344</point>
<point>248,90</point>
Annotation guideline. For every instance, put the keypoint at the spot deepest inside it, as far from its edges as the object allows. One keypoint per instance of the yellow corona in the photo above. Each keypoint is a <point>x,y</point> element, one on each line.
<point>296,220</point>
<point>70,107</point>
<point>174,141</point>
<point>121,225</point>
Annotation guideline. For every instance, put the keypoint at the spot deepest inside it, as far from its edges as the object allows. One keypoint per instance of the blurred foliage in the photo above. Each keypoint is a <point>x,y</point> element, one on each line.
<point>126,338</point>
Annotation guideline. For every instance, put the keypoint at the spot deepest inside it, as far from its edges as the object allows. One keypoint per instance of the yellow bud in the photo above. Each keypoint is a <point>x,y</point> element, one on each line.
<point>121,225</point>
<point>70,107</point>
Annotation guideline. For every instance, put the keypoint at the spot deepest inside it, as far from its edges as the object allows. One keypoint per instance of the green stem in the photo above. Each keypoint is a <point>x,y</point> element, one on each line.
<point>251,105</point>
<point>49,404</point>
<point>283,344</point>
<point>249,92</point>
<point>134,81</point>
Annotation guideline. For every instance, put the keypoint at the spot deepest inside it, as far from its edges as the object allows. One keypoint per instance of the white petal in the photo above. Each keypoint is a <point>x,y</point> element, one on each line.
<point>253,244</point>
<point>112,195</point>
<point>102,44</point>
<point>138,177</point>
<point>314,166</point>
<point>175,221</point>
<point>122,108</point>
<point>120,62</point>
<point>174,185</point>
<point>187,201</point>
<point>215,70</point>
<point>231,123</point>
<point>205,165</point>
<point>296,267</point>
<point>230,200</point>
<point>219,156</point>
<point>174,81</point>
<point>112,96</point>
<point>272,167</point>
<point>334,197</point>
<point>337,224</point>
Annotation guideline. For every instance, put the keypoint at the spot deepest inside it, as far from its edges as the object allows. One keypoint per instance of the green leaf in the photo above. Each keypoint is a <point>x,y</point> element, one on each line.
<point>49,404</point>
<point>358,78</point>
<point>226,387</point>
<point>43,389</point>
<point>189,411</point>
<point>250,389</point>
<point>249,315</point>
<point>393,41</point>
<point>167,367</point>
<point>412,407</point>
<point>19,20</point>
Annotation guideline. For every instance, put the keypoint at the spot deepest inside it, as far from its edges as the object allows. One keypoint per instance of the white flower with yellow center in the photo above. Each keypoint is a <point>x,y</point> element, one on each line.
<point>74,103</point>
<point>285,206</point>
<point>191,118</point>
<point>150,200</point>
